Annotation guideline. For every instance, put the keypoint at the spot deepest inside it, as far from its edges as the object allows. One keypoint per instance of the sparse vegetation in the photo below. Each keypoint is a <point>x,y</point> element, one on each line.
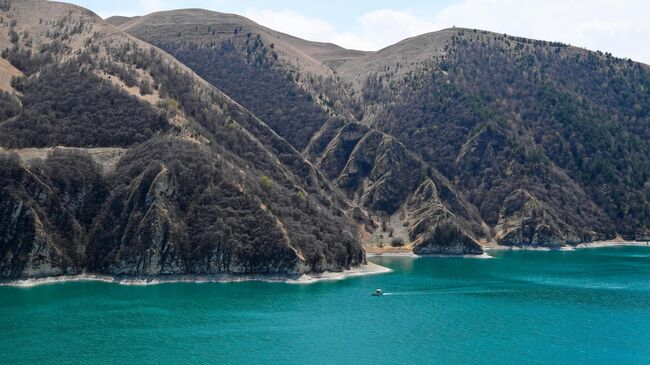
<point>65,105</point>
<point>250,77</point>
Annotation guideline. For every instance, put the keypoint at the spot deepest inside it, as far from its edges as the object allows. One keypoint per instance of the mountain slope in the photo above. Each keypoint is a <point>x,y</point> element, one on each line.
<point>505,120</point>
<point>205,187</point>
<point>497,114</point>
<point>276,76</point>
<point>290,85</point>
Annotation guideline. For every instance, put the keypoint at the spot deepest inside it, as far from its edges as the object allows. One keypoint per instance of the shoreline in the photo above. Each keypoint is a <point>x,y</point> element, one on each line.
<point>362,270</point>
<point>597,244</point>
<point>488,248</point>
<point>484,255</point>
<point>567,247</point>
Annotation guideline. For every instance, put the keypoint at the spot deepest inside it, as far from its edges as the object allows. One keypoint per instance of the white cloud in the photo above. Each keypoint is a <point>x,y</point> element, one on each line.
<point>620,27</point>
<point>292,23</point>
<point>373,30</point>
<point>385,26</point>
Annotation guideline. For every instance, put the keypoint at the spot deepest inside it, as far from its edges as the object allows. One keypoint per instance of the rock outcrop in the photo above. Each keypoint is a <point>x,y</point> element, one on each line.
<point>525,221</point>
<point>153,235</point>
<point>39,233</point>
<point>371,166</point>
<point>167,210</point>
<point>434,229</point>
<point>338,152</point>
<point>380,175</point>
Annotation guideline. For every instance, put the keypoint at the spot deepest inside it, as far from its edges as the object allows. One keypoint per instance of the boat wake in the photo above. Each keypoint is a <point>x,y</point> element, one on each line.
<point>441,292</point>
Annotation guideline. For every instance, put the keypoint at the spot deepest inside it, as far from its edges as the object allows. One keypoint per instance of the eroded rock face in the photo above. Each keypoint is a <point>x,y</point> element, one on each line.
<point>380,175</point>
<point>394,175</point>
<point>169,209</point>
<point>154,236</point>
<point>360,163</point>
<point>374,166</point>
<point>524,220</point>
<point>27,250</point>
<point>338,151</point>
<point>39,235</point>
<point>434,229</point>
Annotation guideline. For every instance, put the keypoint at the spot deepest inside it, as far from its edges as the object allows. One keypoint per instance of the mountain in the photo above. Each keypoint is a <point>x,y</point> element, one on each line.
<point>161,173</point>
<point>290,84</point>
<point>548,141</point>
<point>194,142</point>
<point>519,141</point>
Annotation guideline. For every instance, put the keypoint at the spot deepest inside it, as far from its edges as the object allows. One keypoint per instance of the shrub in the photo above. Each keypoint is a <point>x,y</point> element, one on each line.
<point>265,182</point>
<point>397,242</point>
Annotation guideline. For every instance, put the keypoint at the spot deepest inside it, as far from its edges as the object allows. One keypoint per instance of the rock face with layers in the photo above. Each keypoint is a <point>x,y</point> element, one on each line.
<point>372,166</point>
<point>381,175</point>
<point>524,220</point>
<point>434,229</point>
<point>43,218</point>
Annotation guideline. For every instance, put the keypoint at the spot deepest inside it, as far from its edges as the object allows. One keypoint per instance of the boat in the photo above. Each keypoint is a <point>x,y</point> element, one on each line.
<point>377,293</point>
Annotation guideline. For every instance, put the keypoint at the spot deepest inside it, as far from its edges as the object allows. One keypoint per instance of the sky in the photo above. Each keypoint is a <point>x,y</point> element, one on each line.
<point>621,27</point>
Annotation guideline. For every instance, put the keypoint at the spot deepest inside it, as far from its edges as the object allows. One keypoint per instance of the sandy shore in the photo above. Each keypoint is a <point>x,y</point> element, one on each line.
<point>611,244</point>
<point>369,269</point>
<point>404,254</point>
<point>392,254</point>
<point>488,248</point>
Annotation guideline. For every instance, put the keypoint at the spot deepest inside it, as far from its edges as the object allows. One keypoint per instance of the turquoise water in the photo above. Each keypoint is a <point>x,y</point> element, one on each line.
<point>583,307</point>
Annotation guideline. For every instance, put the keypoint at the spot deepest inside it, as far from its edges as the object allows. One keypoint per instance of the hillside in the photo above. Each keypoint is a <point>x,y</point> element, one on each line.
<point>290,85</point>
<point>540,143</point>
<point>279,78</point>
<point>498,115</point>
<point>202,185</point>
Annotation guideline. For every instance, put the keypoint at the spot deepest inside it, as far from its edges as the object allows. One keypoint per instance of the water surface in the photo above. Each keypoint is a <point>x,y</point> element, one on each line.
<point>590,306</point>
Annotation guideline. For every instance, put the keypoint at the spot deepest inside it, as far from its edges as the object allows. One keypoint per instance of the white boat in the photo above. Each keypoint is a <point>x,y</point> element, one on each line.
<point>377,293</point>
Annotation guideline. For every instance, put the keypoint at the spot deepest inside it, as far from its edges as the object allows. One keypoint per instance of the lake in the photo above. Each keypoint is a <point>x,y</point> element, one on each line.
<point>589,306</point>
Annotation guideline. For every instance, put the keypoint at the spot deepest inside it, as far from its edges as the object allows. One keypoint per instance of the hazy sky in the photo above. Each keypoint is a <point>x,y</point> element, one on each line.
<point>618,26</point>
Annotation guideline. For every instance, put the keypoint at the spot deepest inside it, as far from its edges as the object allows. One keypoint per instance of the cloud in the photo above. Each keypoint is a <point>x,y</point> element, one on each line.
<point>621,28</point>
<point>291,22</point>
<point>372,30</point>
<point>385,26</point>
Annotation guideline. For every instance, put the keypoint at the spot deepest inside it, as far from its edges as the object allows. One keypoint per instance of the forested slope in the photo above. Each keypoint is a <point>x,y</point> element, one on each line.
<point>204,188</point>
<point>541,143</point>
